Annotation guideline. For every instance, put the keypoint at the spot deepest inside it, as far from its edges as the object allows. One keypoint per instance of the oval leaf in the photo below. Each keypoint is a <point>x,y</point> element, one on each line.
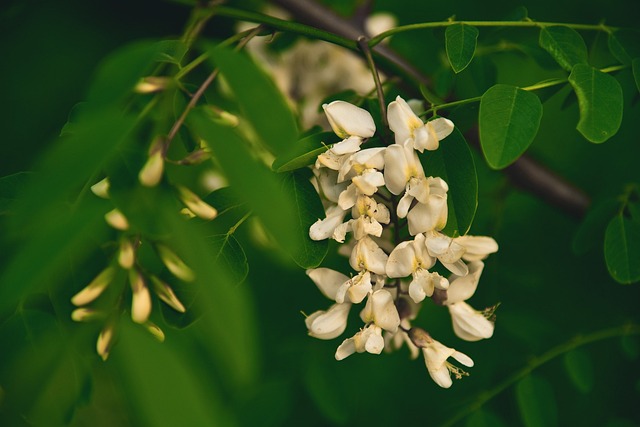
<point>600,101</point>
<point>537,404</point>
<point>509,119</point>
<point>304,152</point>
<point>259,98</point>
<point>624,45</point>
<point>307,253</point>
<point>229,253</point>
<point>460,41</point>
<point>565,45</point>
<point>453,162</point>
<point>580,369</point>
<point>622,249</point>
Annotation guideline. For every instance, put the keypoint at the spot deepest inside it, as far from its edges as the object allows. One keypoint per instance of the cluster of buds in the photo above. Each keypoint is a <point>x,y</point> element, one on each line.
<point>125,263</point>
<point>380,187</point>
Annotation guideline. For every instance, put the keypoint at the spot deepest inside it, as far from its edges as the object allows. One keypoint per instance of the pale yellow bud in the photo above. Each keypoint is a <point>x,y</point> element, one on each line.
<point>85,314</point>
<point>117,220</point>
<point>94,289</point>
<point>101,188</point>
<point>196,204</point>
<point>105,341</point>
<point>174,264</point>
<point>166,294</point>
<point>154,330</point>
<point>127,254</point>
<point>152,84</point>
<point>151,173</point>
<point>141,300</point>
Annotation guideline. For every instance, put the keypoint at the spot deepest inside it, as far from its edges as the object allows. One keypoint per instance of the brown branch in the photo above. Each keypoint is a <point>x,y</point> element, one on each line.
<point>525,173</point>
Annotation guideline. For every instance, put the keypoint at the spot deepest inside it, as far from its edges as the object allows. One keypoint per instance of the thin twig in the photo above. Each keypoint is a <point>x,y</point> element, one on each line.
<point>363,44</point>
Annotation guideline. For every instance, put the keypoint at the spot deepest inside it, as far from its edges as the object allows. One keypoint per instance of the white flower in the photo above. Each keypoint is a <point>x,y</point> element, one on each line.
<point>409,129</point>
<point>340,288</point>
<point>368,215</point>
<point>432,214</point>
<point>468,323</point>
<point>381,310</point>
<point>477,248</point>
<point>407,310</point>
<point>436,355</point>
<point>329,324</point>
<point>328,182</point>
<point>347,120</point>
<point>412,258</point>
<point>324,228</point>
<point>448,252</point>
<point>401,166</point>
<point>368,339</point>
<point>367,255</point>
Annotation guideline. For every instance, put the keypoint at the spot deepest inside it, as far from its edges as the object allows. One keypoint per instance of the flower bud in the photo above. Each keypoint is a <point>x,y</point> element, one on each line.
<point>126,254</point>
<point>117,220</point>
<point>94,289</point>
<point>174,264</point>
<point>105,341</point>
<point>152,84</point>
<point>196,204</point>
<point>86,314</point>
<point>196,157</point>
<point>101,188</point>
<point>166,294</point>
<point>151,173</point>
<point>154,330</point>
<point>141,301</point>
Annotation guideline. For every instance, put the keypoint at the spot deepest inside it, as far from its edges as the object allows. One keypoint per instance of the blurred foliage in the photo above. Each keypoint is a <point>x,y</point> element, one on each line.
<point>240,355</point>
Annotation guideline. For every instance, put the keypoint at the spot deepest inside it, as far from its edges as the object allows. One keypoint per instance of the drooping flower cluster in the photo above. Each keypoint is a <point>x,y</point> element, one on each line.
<point>374,189</point>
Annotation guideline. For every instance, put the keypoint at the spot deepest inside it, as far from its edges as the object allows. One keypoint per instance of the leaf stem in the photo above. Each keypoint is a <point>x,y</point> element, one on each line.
<point>578,341</point>
<point>366,50</point>
<point>525,24</point>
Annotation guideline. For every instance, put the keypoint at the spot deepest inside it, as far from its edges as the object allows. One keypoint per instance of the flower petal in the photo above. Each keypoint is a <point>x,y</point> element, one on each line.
<point>462,288</point>
<point>469,324</point>
<point>329,324</point>
<point>348,120</point>
<point>327,280</point>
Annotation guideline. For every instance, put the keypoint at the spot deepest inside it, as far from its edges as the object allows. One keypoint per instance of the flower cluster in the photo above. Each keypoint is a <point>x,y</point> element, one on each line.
<point>125,266</point>
<point>374,190</point>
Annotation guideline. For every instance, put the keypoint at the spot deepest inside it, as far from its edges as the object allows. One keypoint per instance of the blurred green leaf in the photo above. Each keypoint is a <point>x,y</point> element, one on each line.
<point>454,163</point>
<point>172,51</point>
<point>484,418</point>
<point>591,231</point>
<point>565,45</point>
<point>326,391</point>
<point>600,101</point>
<point>162,383</point>
<point>509,119</point>
<point>304,152</point>
<point>636,72</point>
<point>460,42</point>
<point>229,254</point>
<point>259,98</point>
<point>429,96</point>
<point>580,369</point>
<point>43,377</point>
<point>250,180</point>
<point>69,235</point>
<point>624,45</point>
<point>622,249</point>
<point>11,187</point>
<point>307,253</point>
<point>536,401</point>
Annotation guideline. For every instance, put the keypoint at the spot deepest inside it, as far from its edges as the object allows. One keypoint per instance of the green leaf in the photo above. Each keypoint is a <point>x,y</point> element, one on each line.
<point>460,42</point>
<point>580,369</point>
<point>163,383</point>
<point>509,119</point>
<point>565,45</point>
<point>230,255</point>
<point>624,45</point>
<point>454,163</point>
<point>304,152</point>
<point>635,64</point>
<point>261,102</point>
<point>307,253</point>
<point>536,402</point>
<point>591,231</point>
<point>251,181</point>
<point>622,249</point>
<point>11,187</point>
<point>600,101</point>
